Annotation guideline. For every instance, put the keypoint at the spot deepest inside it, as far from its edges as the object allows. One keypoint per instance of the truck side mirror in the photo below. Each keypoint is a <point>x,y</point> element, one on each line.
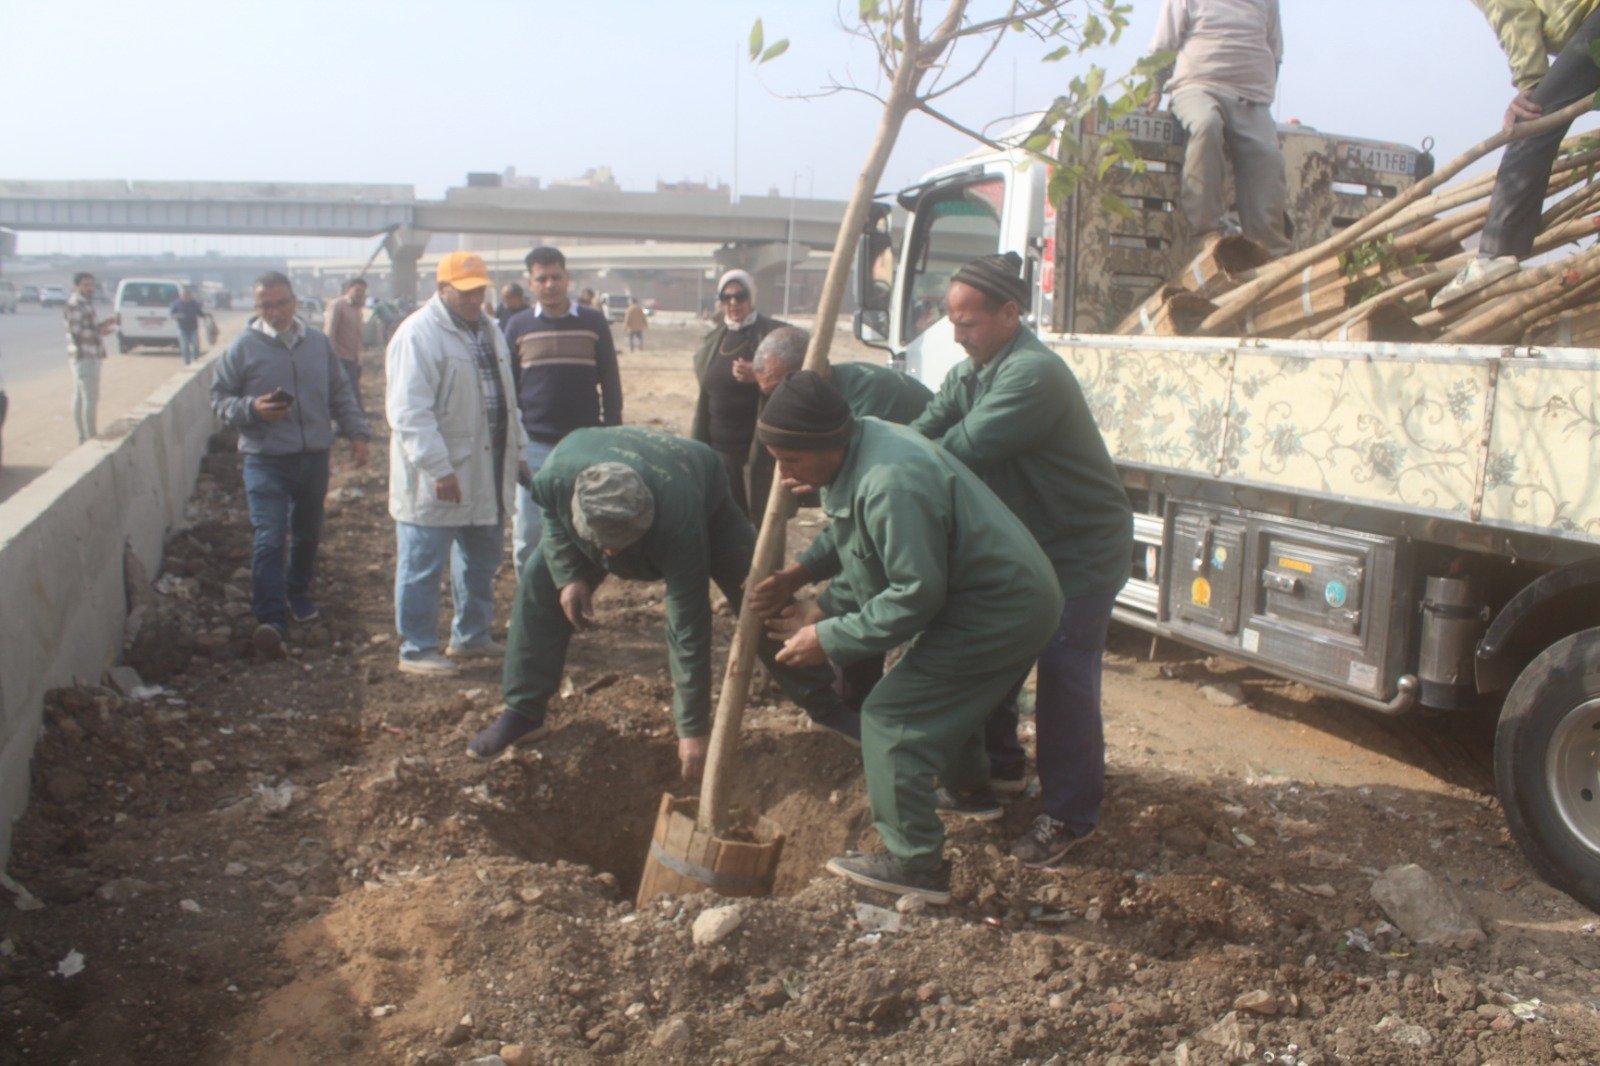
<point>874,276</point>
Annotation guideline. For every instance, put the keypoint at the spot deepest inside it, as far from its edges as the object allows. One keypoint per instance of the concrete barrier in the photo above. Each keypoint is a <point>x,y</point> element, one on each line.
<point>62,539</point>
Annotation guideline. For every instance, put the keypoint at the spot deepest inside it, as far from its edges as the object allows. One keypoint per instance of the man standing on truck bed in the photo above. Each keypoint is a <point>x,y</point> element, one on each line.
<point>1222,85</point>
<point>1014,413</point>
<point>1530,31</point>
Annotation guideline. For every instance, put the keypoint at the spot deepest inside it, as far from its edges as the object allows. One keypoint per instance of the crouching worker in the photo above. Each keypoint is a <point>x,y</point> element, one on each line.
<point>932,559</point>
<point>644,506</point>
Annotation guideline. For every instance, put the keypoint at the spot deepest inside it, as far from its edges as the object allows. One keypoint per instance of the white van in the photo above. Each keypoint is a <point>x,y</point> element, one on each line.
<point>145,306</point>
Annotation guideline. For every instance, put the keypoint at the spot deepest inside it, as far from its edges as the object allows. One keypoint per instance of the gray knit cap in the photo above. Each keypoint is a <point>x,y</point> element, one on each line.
<point>611,505</point>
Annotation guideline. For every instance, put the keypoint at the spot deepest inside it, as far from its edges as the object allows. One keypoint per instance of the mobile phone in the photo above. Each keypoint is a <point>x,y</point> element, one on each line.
<point>281,395</point>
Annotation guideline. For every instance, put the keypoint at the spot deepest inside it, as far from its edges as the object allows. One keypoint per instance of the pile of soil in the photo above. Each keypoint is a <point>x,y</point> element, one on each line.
<point>294,861</point>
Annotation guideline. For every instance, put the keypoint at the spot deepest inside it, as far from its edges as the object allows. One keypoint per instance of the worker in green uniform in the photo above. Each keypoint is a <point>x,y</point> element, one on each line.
<point>644,506</point>
<point>934,562</point>
<point>871,391</point>
<point>1015,415</point>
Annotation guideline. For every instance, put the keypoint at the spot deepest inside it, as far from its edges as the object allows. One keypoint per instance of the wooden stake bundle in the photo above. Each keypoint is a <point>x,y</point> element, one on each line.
<point>1222,264</point>
<point>1171,311</point>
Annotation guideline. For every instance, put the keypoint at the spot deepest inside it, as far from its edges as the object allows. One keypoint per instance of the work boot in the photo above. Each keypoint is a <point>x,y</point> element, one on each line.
<point>268,640</point>
<point>1046,842</point>
<point>429,664</point>
<point>978,804</point>
<point>883,871</point>
<point>843,723</point>
<point>1480,273</point>
<point>509,729</point>
<point>302,609</point>
<point>484,649</point>
<point>1009,781</point>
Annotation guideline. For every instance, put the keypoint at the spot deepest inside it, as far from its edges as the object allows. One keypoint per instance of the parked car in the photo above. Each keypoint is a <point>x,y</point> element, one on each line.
<point>29,294</point>
<point>144,305</point>
<point>52,296</point>
<point>8,297</point>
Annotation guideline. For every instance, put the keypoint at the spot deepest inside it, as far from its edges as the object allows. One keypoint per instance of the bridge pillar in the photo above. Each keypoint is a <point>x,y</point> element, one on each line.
<point>405,246</point>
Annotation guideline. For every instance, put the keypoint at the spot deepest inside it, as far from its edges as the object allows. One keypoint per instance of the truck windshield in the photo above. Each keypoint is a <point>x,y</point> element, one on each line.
<point>953,225</point>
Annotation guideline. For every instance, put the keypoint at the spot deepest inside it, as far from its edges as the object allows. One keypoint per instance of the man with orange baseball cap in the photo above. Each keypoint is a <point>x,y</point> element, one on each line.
<point>453,466</point>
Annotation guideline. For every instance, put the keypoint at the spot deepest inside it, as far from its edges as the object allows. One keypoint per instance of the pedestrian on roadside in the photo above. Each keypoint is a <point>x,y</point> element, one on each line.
<point>453,467</point>
<point>513,298</point>
<point>1015,414</point>
<point>281,386</point>
<point>635,321</point>
<point>341,321</point>
<point>188,312</point>
<point>640,505</point>
<point>565,362</point>
<point>725,410</point>
<point>933,562</point>
<point>587,298</point>
<point>86,349</point>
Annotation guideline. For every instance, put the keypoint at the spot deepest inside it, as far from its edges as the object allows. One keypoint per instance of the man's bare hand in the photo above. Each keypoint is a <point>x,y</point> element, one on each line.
<point>1522,109</point>
<point>1153,101</point>
<point>803,649</point>
<point>744,370</point>
<point>448,489</point>
<point>361,451</point>
<point>775,592</point>
<point>266,409</point>
<point>577,603</point>
<point>789,621</point>
<point>692,757</point>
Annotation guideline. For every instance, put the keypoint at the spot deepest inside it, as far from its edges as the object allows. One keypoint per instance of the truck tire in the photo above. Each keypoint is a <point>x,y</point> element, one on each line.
<point>1547,764</point>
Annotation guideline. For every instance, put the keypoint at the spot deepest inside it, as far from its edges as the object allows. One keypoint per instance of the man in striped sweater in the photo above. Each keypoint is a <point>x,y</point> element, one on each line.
<point>565,363</point>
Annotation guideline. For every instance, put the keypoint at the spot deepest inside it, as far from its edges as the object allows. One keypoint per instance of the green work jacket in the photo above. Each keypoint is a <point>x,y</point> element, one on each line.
<point>690,487</point>
<point>1022,425</point>
<point>1531,31</point>
<point>931,558</point>
<point>875,391</point>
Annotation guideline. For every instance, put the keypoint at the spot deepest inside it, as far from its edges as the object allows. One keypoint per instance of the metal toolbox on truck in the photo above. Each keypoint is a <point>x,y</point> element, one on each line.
<point>1206,584</point>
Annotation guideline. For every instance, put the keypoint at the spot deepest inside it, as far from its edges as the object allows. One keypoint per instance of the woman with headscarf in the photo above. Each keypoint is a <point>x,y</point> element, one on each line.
<point>725,412</point>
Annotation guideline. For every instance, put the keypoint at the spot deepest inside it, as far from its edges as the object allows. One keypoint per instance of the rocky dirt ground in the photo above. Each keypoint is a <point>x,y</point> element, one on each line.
<point>293,862</point>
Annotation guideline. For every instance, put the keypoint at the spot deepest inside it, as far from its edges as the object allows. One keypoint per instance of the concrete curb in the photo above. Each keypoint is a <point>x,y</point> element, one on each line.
<point>63,600</point>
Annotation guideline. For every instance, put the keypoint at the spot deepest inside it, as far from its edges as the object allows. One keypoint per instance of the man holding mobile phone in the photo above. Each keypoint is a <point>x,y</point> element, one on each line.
<point>282,387</point>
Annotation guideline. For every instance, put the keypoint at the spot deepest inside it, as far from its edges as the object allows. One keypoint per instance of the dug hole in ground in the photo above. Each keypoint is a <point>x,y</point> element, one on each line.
<point>294,862</point>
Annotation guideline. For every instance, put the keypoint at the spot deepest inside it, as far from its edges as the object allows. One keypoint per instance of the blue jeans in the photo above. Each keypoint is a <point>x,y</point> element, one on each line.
<point>528,526</point>
<point>474,553</point>
<point>1071,745</point>
<point>189,344</point>
<point>285,493</point>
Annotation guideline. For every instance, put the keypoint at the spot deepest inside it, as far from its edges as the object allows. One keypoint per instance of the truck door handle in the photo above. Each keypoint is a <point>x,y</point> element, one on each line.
<point>1285,583</point>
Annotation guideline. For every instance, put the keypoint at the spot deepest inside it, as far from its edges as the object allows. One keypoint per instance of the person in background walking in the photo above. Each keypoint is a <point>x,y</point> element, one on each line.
<point>635,322</point>
<point>513,298</point>
<point>281,386</point>
<point>725,411</point>
<point>187,312</point>
<point>341,321</point>
<point>86,349</point>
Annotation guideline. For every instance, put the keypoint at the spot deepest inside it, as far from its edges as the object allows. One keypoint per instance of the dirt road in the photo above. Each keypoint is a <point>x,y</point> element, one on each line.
<point>293,862</point>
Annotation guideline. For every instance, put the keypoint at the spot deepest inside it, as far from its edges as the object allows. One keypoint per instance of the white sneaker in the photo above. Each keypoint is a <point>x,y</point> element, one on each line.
<point>486,649</point>
<point>429,664</point>
<point>1477,274</point>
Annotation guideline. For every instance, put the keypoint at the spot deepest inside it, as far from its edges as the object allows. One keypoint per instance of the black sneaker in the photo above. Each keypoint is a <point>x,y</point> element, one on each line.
<point>269,640</point>
<point>843,723</point>
<point>509,729</point>
<point>303,609</point>
<point>1009,782</point>
<point>979,804</point>
<point>1046,842</point>
<point>883,871</point>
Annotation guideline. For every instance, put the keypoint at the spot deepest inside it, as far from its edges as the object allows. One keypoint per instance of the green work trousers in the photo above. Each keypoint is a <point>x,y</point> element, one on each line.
<point>920,729</point>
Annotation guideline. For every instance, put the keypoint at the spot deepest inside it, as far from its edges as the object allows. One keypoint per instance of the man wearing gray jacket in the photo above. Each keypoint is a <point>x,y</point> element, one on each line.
<point>454,461</point>
<point>281,386</point>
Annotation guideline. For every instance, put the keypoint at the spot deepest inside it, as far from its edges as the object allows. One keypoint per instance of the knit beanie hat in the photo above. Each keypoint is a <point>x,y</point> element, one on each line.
<point>999,276</point>
<point>611,505</point>
<point>806,414</point>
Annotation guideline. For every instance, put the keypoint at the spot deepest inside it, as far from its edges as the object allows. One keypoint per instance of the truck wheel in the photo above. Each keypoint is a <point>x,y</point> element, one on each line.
<point>1547,764</point>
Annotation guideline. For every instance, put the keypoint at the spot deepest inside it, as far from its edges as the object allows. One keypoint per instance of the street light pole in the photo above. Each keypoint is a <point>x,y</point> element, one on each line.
<point>788,257</point>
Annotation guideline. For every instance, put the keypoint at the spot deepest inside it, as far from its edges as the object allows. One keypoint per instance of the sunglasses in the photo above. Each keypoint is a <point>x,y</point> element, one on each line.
<point>734,296</point>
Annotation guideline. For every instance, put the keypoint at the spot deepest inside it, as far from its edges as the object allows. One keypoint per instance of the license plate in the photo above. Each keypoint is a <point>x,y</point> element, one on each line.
<point>152,321</point>
<point>1160,128</point>
<point>1371,157</point>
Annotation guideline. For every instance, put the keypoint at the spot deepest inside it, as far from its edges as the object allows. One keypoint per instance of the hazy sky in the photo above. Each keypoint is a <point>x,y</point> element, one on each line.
<point>420,94</point>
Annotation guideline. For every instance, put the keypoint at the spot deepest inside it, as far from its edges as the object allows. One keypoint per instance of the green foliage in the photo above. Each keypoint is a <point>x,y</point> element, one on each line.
<point>1367,264</point>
